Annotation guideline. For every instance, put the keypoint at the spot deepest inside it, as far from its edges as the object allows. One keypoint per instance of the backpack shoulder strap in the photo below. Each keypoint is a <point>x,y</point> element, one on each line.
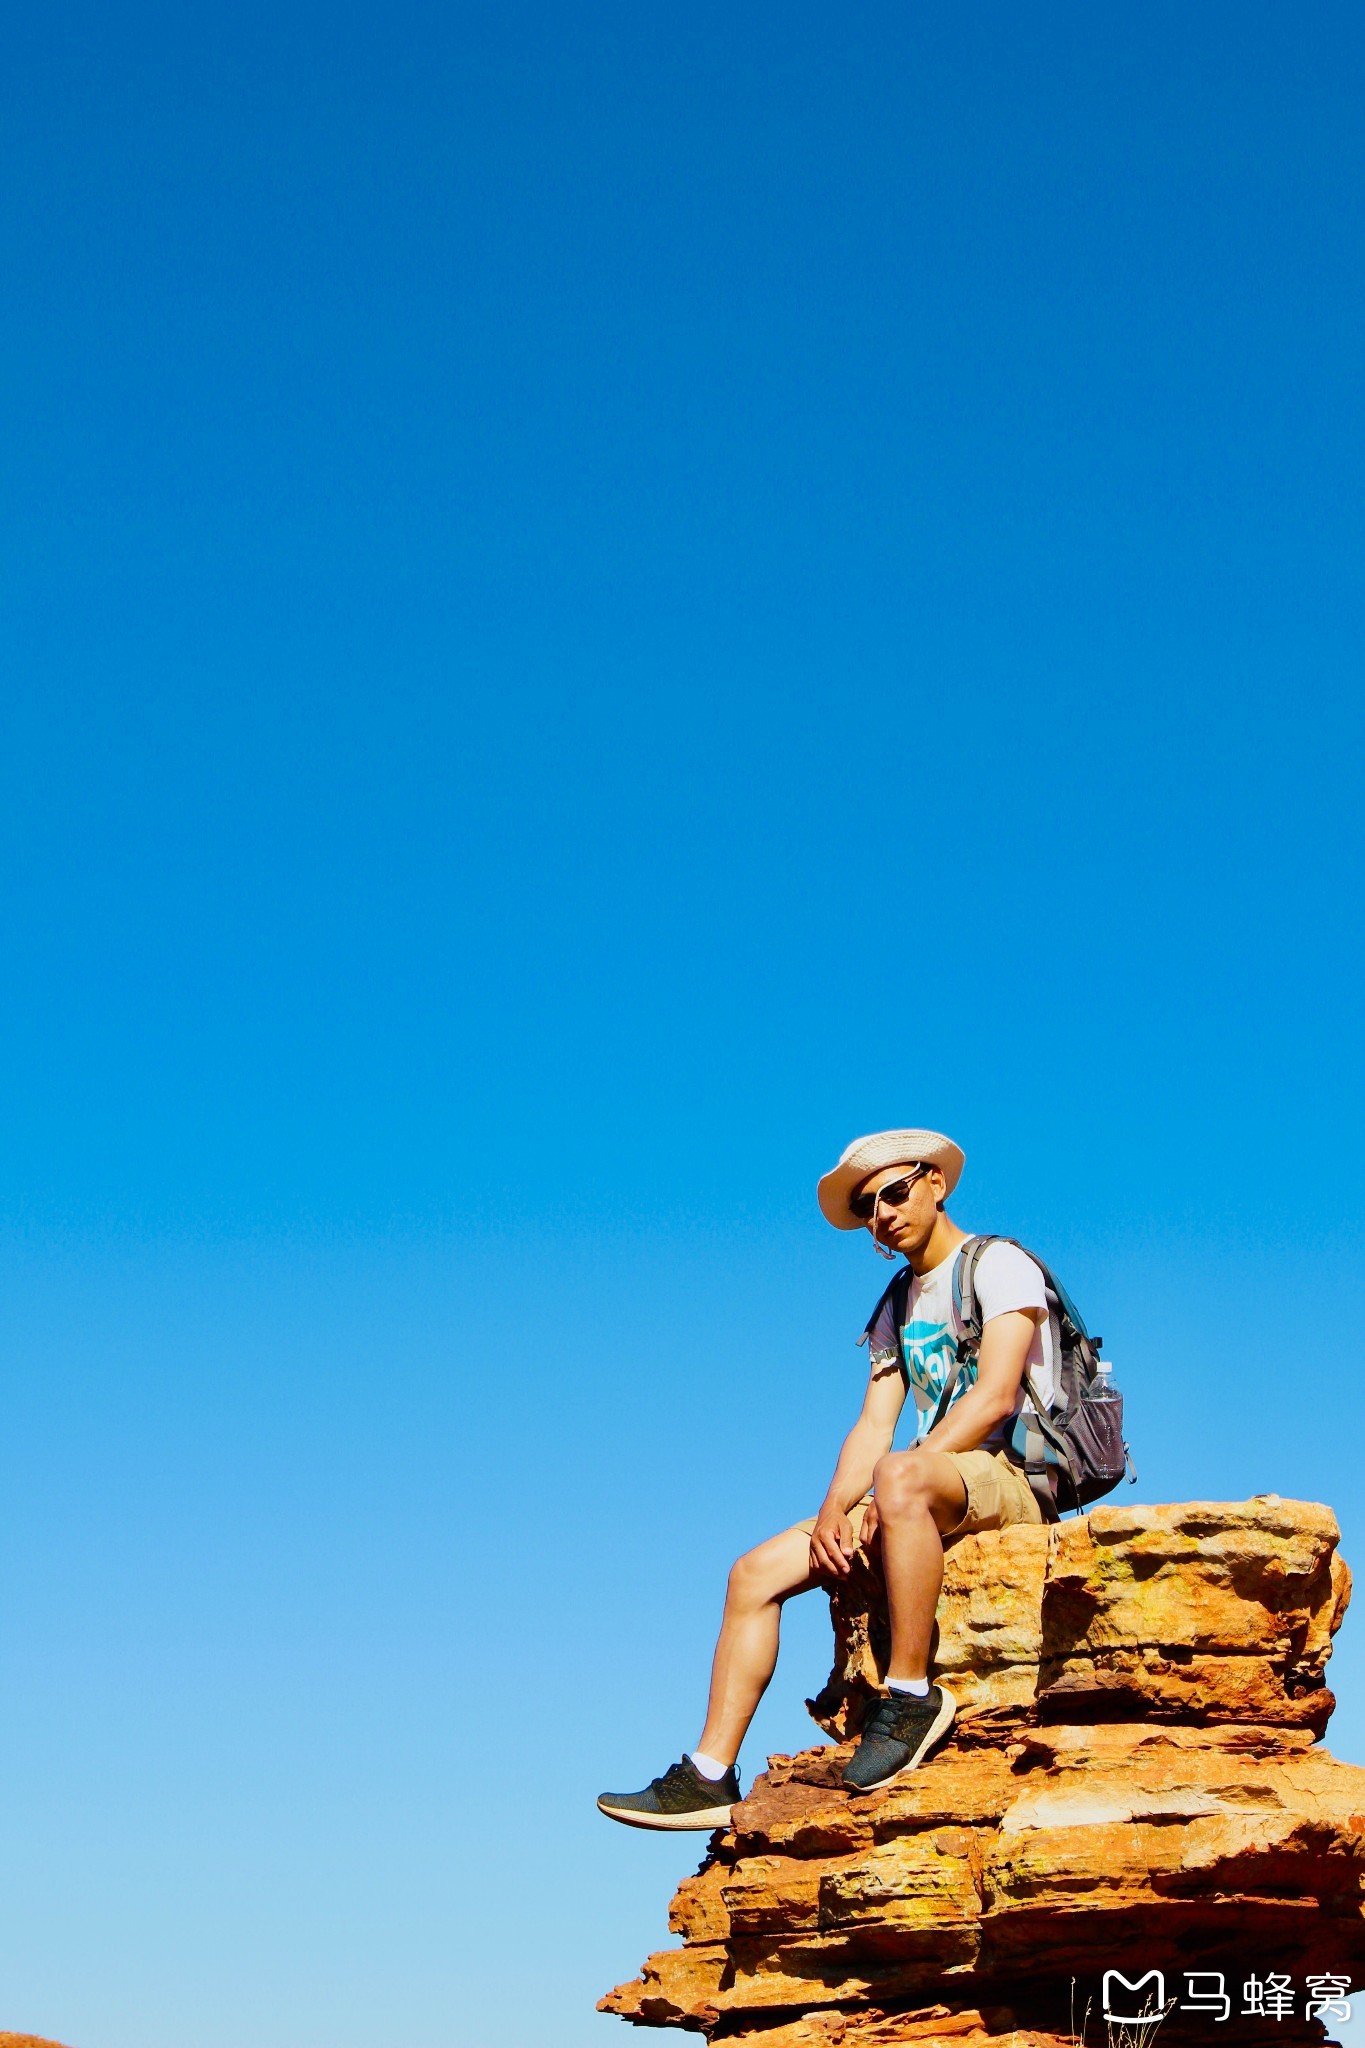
<point>896,1292</point>
<point>964,1302</point>
<point>964,1290</point>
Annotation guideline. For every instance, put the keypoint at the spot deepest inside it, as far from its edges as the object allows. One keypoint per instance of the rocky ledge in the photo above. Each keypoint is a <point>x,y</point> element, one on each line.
<point>1134,1782</point>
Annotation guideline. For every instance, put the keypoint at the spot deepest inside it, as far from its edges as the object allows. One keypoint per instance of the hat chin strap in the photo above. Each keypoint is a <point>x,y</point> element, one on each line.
<point>877,1244</point>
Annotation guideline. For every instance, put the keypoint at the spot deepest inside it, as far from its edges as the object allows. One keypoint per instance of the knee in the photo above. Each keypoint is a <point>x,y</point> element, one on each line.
<point>900,1484</point>
<point>748,1585</point>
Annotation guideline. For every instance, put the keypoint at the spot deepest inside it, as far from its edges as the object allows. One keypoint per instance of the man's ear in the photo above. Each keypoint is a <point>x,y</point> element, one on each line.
<point>938,1182</point>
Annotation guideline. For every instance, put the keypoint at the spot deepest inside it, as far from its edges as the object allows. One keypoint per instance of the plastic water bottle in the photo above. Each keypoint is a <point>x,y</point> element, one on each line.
<point>1102,1432</point>
<point>1102,1388</point>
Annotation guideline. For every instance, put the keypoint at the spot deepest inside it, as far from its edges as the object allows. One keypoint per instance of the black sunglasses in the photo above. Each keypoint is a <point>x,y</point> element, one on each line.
<point>890,1197</point>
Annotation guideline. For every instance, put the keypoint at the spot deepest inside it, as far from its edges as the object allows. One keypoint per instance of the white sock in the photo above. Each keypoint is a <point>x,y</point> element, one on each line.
<point>918,1686</point>
<point>706,1766</point>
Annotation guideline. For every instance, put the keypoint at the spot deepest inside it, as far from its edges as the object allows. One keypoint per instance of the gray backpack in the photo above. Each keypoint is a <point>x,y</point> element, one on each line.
<point>1073,1451</point>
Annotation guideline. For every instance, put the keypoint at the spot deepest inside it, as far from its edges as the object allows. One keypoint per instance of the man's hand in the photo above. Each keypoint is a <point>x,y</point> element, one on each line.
<point>831,1544</point>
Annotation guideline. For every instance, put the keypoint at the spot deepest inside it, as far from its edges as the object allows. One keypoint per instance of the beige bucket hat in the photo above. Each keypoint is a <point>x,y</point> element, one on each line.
<point>884,1148</point>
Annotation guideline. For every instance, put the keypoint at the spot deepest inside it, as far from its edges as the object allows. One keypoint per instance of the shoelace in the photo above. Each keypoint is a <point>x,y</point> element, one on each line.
<point>676,1789</point>
<point>679,1783</point>
<point>889,1713</point>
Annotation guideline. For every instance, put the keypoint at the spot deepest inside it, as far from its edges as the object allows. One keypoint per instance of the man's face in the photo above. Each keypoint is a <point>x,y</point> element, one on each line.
<point>907,1224</point>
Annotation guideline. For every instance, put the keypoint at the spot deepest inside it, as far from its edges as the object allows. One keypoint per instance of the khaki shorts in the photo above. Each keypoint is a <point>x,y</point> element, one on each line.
<point>997,1495</point>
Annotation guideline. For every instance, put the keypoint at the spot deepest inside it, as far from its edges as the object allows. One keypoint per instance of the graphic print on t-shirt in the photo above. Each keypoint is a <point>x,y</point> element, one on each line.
<point>930,1350</point>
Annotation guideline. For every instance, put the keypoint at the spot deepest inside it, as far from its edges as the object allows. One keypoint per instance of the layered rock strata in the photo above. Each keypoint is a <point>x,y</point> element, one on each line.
<point>1134,1782</point>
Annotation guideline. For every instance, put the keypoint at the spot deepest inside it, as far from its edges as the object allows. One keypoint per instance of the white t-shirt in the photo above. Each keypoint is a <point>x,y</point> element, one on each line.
<point>1006,1279</point>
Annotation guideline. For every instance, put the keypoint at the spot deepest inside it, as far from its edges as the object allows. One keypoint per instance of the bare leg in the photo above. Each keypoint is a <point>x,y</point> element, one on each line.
<point>919,1496</point>
<point>746,1653</point>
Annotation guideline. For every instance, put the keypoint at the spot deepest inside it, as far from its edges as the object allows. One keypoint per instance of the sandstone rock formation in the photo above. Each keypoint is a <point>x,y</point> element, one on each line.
<point>1134,1782</point>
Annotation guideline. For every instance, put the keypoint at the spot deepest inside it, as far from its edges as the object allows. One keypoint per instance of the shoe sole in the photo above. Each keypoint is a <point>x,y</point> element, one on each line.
<point>943,1721</point>
<point>705,1817</point>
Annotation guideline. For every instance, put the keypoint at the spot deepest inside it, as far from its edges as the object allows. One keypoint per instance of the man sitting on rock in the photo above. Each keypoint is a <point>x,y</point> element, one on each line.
<point>957,1476</point>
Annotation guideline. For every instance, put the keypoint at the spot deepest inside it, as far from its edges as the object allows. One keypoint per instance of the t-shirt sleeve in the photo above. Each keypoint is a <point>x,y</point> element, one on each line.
<point>1006,1279</point>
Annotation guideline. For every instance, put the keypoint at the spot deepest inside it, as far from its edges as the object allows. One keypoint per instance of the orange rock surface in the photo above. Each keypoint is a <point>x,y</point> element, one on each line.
<point>1220,1611</point>
<point>1134,1782</point>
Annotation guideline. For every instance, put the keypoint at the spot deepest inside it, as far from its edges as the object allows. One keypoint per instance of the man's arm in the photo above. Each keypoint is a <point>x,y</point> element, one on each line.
<point>831,1544</point>
<point>1005,1342</point>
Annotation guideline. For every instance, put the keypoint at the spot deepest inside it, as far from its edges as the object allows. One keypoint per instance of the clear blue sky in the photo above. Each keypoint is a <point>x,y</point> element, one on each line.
<point>596,601</point>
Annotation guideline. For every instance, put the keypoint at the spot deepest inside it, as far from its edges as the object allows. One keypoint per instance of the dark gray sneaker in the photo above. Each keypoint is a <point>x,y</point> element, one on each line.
<point>682,1798</point>
<point>899,1733</point>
